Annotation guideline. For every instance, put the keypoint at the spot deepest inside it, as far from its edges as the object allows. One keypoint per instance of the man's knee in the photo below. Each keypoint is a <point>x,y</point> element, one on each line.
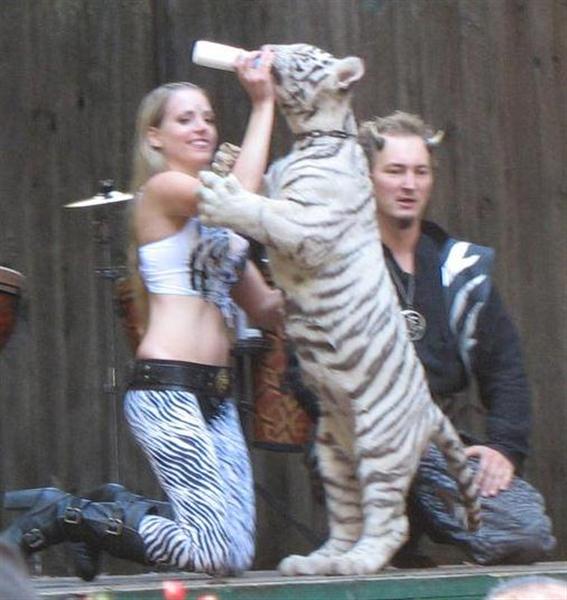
<point>515,527</point>
<point>516,549</point>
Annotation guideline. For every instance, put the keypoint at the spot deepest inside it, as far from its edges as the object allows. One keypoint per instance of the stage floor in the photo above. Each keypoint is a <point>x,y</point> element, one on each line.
<point>442,583</point>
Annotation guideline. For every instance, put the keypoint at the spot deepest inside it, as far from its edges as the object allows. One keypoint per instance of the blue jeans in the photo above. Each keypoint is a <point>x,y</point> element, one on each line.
<point>515,528</point>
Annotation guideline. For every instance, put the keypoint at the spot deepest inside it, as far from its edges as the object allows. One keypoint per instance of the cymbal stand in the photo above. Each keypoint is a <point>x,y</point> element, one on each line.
<point>250,342</point>
<point>109,274</point>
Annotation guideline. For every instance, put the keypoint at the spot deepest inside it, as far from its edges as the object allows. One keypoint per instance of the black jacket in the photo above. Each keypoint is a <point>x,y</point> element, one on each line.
<point>470,335</point>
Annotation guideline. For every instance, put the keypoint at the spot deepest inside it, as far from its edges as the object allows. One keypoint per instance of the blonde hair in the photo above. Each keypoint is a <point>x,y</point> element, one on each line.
<point>371,133</point>
<point>146,162</point>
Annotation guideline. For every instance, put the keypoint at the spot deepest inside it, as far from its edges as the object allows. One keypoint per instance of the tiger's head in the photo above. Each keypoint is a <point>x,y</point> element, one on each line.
<point>312,86</point>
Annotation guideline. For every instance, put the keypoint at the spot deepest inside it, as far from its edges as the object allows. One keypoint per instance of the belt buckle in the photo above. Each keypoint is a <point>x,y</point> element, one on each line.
<point>146,373</point>
<point>115,526</point>
<point>72,515</point>
<point>34,539</point>
<point>222,382</point>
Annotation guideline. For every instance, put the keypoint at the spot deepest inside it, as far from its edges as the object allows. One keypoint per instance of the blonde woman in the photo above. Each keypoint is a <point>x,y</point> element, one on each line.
<point>178,405</point>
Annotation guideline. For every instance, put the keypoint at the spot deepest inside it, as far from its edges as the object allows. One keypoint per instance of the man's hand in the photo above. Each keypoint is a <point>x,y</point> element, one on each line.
<point>495,471</point>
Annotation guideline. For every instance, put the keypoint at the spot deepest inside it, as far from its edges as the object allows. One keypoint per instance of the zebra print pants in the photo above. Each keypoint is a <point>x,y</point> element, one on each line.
<point>204,468</point>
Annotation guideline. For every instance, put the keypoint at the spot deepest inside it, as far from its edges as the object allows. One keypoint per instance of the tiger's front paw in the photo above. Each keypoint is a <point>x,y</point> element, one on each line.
<point>219,202</point>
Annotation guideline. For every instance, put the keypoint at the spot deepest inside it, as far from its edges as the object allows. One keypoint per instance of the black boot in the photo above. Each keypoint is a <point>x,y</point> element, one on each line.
<point>113,492</point>
<point>87,557</point>
<point>109,526</point>
<point>55,516</point>
<point>37,528</point>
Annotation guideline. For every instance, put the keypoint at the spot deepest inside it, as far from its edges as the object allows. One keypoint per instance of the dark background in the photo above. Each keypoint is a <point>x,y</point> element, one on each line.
<point>491,73</point>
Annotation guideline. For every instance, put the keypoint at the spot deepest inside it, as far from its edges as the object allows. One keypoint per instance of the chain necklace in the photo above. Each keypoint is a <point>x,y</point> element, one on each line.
<point>415,322</point>
<point>317,133</point>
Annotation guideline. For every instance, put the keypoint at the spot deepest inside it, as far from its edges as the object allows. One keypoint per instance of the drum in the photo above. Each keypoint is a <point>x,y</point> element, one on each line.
<point>10,290</point>
<point>280,422</point>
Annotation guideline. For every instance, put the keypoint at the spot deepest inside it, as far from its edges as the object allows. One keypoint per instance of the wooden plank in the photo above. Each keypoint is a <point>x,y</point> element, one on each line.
<point>470,583</point>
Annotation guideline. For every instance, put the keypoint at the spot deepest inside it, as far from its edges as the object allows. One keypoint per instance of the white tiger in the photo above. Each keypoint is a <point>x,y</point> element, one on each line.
<point>320,230</point>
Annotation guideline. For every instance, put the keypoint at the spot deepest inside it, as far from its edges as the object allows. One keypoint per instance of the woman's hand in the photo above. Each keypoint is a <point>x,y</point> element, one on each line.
<point>495,471</point>
<point>265,306</point>
<point>254,72</point>
<point>272,311</point>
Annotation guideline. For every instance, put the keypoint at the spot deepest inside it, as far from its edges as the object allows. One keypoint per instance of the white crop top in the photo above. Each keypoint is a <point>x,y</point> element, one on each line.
<point>196,261</point>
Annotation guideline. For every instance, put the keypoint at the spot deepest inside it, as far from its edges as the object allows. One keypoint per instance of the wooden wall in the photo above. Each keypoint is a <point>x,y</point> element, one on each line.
<point>491,73</point>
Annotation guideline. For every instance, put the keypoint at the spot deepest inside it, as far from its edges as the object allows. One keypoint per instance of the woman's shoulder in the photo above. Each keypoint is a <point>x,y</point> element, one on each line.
<point>166,180</point>
<point>174,191</point>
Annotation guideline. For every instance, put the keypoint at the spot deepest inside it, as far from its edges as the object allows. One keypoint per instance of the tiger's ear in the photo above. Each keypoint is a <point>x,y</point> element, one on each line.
<point>348,71</point>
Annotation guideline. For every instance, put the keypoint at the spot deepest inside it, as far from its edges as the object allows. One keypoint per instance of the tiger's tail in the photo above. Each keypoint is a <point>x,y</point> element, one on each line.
<point>449,442</point>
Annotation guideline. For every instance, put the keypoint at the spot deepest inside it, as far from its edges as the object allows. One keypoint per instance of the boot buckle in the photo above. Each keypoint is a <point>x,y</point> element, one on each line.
<point>34,539</point>
<point>114,526</point>
<point>72,515</point>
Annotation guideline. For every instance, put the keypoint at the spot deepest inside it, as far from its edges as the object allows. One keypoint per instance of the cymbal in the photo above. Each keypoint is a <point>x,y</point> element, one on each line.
<point>101,199</point>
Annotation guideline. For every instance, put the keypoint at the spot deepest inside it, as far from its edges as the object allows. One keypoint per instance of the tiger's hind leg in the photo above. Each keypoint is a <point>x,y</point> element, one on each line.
<point>342,494</point>
<point>385,531</point>
<point>385,477</point>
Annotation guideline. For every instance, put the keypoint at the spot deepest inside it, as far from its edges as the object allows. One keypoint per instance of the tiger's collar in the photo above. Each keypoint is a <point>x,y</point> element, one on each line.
<point>318,133</point>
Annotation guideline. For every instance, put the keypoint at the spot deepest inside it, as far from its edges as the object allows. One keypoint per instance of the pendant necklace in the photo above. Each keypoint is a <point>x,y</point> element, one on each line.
<point>415,321</point>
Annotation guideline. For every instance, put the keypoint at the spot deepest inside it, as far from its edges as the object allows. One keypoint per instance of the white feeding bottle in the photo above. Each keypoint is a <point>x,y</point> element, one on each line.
<point>216,56</point>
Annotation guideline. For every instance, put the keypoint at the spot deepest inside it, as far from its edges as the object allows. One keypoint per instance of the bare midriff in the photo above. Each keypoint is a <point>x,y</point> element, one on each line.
<point>185,328</point>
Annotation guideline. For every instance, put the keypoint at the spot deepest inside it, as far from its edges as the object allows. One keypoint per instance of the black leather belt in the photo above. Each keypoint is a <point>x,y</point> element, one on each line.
<point>211,385</point>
